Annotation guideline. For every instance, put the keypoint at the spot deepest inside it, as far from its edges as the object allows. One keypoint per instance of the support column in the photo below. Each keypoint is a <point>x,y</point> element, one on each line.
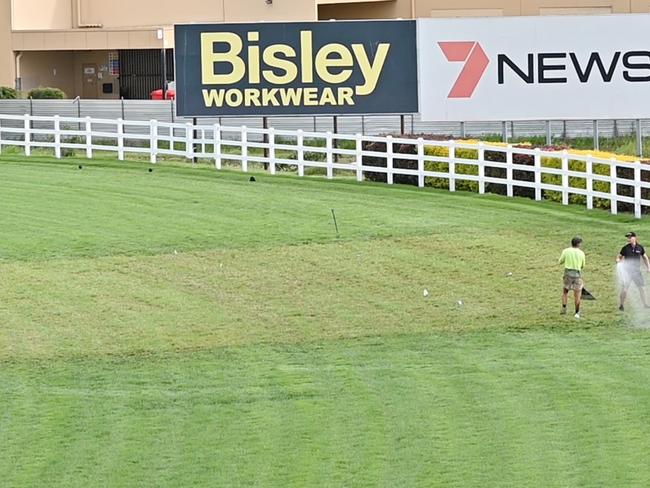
<point>7,59</point>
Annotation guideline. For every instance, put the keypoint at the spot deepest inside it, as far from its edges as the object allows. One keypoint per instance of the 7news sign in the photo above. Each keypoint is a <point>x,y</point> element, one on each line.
<point>527,68</point>
<point>357,67</point>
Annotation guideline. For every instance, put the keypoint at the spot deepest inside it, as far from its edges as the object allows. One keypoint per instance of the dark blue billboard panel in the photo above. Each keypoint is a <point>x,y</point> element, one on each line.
<point>356,67</point>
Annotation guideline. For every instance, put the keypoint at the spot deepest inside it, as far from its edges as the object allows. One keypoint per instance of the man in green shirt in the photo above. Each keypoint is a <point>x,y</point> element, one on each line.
<point>573,260</point>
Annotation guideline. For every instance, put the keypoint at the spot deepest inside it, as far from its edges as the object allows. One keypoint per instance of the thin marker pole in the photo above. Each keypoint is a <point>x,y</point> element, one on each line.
<point>336,225</point>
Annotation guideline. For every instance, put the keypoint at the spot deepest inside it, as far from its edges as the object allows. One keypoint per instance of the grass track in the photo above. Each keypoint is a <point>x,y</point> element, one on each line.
<point>267,352</point>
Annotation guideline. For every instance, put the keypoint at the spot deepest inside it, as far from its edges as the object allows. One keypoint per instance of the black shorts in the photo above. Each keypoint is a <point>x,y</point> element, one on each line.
<point>632,276</point>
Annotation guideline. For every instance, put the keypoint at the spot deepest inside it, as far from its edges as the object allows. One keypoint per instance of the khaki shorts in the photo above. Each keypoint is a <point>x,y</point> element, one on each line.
<point>572,280</point>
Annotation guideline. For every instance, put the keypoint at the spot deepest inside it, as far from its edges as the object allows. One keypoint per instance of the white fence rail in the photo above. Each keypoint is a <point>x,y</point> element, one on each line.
<point>617,183</point>
<point>165,111</point>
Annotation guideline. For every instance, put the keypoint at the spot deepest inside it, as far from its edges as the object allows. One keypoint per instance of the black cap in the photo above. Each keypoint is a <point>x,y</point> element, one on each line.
<point>630,234</point>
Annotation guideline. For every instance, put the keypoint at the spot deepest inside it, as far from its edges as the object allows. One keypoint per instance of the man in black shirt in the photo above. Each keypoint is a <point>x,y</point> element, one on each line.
<point>630,268</point>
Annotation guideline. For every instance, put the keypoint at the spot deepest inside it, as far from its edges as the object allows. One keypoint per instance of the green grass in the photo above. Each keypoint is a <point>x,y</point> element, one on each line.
<point>187,327</point>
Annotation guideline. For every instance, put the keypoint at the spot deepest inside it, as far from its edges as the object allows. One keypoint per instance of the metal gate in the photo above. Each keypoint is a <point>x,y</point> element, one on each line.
<point>141,72</point>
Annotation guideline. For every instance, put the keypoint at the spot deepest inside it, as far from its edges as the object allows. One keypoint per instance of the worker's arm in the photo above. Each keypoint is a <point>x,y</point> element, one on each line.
<point>647,262</point>
<point>620,258</point>
<point>562,257</point>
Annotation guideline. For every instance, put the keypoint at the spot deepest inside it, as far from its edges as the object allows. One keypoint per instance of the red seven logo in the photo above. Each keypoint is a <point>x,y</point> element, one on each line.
<point>476,62</point>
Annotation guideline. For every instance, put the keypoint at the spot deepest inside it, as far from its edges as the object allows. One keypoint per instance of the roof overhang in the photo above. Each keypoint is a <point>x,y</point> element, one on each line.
<point>93,39</point>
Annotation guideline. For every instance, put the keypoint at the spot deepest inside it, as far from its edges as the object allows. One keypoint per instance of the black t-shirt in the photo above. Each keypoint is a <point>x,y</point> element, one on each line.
<point>632,255</point>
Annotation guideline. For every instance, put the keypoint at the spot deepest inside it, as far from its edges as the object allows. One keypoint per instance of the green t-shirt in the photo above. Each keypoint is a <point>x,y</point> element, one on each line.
<point>573,258</point>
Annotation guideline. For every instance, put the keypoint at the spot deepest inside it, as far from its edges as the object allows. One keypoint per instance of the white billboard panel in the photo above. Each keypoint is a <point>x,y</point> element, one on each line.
<point>531,68</point>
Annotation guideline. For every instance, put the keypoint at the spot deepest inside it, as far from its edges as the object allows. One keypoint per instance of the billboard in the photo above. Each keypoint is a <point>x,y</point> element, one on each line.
<point>532,68</point>
<point>357,67</point>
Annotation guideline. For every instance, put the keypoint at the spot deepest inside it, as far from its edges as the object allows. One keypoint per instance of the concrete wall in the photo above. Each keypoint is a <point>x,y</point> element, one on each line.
<point>7,74</point>
<point>86,39</point>
<point>40,14</point>
<point>640,6</point>
<point>64,70</point>
<point>137,13</point>
<point>29,15</point>
<point>165,12</point>
<point>125,14</point>
<point>574,7</point>
<point>390,9</point>
<point>252,10</point>
<point>329,9</point>
<point>51,69</point>
<point>467,8</point>
<point>100,58</point>
<point>463,8</point>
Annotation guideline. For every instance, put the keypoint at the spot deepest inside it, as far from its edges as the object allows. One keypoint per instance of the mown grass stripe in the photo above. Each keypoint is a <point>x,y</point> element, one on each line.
<point>268,352</point>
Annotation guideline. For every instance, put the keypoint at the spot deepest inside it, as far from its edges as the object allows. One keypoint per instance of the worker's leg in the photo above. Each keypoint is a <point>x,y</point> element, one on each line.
<point>577,295</point>
<point>644,300</point>
<point>565,299</point>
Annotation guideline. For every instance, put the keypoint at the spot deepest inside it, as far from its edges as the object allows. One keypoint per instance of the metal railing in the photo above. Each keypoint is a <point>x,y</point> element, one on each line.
<point>165,111</point>
<point>351,154</point>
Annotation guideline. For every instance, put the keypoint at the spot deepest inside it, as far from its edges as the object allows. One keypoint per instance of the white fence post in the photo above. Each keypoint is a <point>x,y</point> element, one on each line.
<point>538,174</point>
<point>389,159</point>
<point>358,167</point>
<point>57,137</point>
<point>452,165</point>
<point>153,141</point>
<point>272,150</point>
<point>244,149</point>
<point>613,187</point>
<point>189,141</point>
<point>589,170</point>
<point>637,189</point>
<point>330,156</point>
<point>301,153</point>
<point>28,136</point>
<point>481,168</point>
<point>89,138</point>
<point>359,155</point>
<point>120,139</point>
<point>216,132</point>
<point>565,177</point>
<point>421,162</point>
<point>509,172</point>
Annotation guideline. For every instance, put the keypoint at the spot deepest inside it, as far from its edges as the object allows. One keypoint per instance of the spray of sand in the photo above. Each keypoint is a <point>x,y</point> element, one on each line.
<point>636,315</point>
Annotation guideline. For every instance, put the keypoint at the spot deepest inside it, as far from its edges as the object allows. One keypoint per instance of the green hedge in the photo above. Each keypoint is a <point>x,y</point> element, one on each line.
<point>463,169</point>
<point>495,172</point>
<point>601,186</point>
<point>46,93</point>
<point>443,152</point>
<point>398,149</point>
<point>7,93</point>
<point>517,174</point>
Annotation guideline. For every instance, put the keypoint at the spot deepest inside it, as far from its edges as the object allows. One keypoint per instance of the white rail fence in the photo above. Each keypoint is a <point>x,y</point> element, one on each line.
<point>617,183</point>
<point>165,111</point>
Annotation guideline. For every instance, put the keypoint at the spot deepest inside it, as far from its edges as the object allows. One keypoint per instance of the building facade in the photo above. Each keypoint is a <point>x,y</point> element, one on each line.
<point>124,48</point>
